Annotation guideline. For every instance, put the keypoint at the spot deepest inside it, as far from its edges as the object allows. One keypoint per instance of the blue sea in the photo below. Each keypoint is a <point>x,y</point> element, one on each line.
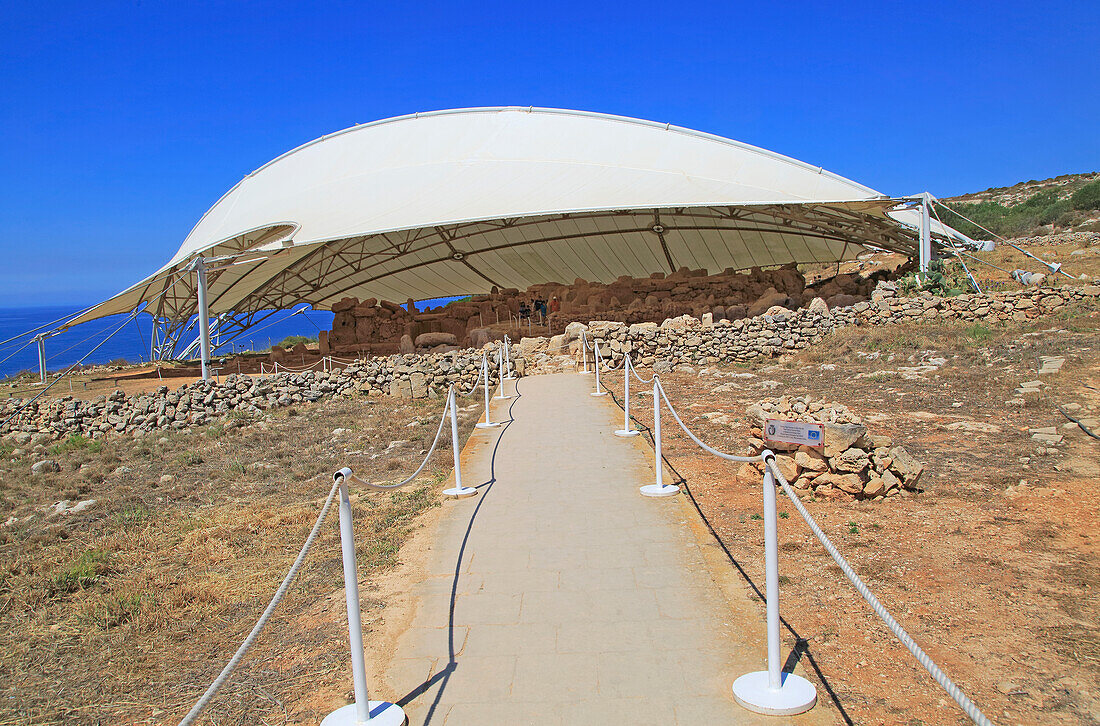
<point>130,343</point>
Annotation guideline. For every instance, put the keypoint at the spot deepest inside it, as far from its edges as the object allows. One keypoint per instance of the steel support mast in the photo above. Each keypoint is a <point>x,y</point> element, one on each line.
<point>199,265</point>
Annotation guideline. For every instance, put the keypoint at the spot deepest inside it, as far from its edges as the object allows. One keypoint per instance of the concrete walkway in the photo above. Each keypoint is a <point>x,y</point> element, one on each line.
<point>560,595</point>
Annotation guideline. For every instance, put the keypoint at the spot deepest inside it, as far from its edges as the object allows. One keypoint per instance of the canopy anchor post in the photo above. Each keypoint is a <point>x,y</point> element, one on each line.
<point>199,265</point>
<point>42,357</point>
<point>925,250</point>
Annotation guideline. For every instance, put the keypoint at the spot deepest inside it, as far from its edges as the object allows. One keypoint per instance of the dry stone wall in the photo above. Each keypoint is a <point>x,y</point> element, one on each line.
<point>203,402</point>
<point>679,340</point>
<point>701,342</point>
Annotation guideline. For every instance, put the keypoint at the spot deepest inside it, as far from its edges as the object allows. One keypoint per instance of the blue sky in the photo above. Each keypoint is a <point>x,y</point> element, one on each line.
<point>121,123</point>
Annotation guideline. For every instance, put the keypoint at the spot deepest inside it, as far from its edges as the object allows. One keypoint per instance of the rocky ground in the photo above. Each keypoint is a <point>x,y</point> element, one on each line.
<point>131,568</point>
<point>991,564</point>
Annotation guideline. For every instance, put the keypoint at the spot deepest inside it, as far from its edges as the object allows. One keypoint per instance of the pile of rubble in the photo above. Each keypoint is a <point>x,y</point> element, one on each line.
<point>853,462</point>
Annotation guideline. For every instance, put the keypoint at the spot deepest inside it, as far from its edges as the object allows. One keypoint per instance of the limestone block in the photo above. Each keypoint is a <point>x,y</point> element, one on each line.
<point>430,340</point>
<point>839,437</point>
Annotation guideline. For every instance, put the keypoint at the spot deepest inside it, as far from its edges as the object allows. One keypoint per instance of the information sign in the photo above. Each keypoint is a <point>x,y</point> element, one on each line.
<point>794,432</point>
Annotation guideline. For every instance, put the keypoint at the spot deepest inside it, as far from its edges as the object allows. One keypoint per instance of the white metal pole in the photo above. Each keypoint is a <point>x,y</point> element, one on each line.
<point>457,491</point>
<point>596,364</point>
<point>772,692</point>
<point>626,394</point>
<point>658,489</point>
<point>500,373</point>
<point>925,235</point>
<point>584,352</point>
<point>771,578</point>
<point>42,357</point>
<point>658,465</point>
<point>351,591</point>
<point>488,423</point>
<point>204,317</point>
<point>358,713</point>
<point>626,430</point>
<point>508,358</point>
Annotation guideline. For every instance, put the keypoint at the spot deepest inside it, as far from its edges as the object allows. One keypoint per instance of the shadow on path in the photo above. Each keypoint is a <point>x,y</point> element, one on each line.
<point>802,645</point>
<point>444,675</point>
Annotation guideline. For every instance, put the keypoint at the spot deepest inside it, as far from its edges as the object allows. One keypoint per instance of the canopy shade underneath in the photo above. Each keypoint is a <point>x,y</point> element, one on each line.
<point>261,270</point>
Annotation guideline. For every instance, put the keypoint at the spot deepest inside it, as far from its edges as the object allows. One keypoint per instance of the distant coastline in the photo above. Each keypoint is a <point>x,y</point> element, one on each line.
<point>131,343</point>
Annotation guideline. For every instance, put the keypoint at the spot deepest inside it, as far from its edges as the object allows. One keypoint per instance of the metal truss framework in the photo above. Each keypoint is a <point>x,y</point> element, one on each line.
<point>262,274</point>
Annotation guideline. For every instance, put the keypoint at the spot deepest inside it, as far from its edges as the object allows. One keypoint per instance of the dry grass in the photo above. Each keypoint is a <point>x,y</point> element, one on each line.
<point>125,612</point>
<point>998,586</point>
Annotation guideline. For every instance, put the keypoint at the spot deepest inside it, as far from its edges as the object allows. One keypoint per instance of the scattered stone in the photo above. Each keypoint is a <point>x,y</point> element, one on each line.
<point>838,437</point>
<point>47,466</point>
<point>906,467</point>
<point>82,505</point>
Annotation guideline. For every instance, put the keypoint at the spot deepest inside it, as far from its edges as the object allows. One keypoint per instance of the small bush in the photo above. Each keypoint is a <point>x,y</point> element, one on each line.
<point>292,340</point>
<point>945,279</point>
<point>132,515</point>
<point>83,573</point>
<point>76,442</point>
<point>189,458</point>
<point>978,333</point>
<point>123,609</point>
<point>1087,197</point>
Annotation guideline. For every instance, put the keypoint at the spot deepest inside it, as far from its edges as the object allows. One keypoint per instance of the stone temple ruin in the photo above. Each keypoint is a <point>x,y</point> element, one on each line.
<point>373,327</point>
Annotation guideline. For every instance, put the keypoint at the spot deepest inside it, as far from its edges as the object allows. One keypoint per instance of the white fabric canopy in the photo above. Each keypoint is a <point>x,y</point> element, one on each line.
<point>454,202</point>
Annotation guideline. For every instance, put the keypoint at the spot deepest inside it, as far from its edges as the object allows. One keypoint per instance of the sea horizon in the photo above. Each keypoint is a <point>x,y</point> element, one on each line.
<point>130,343</point>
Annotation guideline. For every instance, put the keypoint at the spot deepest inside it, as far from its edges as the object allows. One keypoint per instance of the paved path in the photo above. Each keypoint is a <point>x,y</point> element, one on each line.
<point>559,595</point>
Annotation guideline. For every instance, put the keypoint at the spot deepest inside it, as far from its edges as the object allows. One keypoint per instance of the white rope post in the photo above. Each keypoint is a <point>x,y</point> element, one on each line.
<point>457,491</point>
<point>658,489</point>
<point>379,713</point>
<point>488,423</point>
<point>508,372</point>
<point>501,370</point>
<point>773,692</point>
<point>596,365</point>
<point>626,431</point>
<point>42,358</point>
<point>584,352</point>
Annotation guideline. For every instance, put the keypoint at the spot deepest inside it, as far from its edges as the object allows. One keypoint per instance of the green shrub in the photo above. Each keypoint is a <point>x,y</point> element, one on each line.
<point>76,442</point>
<point>1019,219</point>
<point>82,573</point>
<point>978,333</point>
<point>1087,197</point>
<point>945,279</point>
<point>292,340</point>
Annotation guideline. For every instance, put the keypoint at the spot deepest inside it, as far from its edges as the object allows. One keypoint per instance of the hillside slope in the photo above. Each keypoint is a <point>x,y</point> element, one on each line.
<point>1067,203</point>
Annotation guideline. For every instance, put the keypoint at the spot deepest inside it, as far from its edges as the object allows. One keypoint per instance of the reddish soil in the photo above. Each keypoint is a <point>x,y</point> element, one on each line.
<point>997,584</point>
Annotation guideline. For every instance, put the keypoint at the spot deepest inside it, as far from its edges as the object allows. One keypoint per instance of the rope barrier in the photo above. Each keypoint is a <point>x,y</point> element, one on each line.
<point>923,658</point>
<point>760,690</point>
<point>431,450</point>
<point>363,709</point>
<point>259,626</point>
<point>696,439</point>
